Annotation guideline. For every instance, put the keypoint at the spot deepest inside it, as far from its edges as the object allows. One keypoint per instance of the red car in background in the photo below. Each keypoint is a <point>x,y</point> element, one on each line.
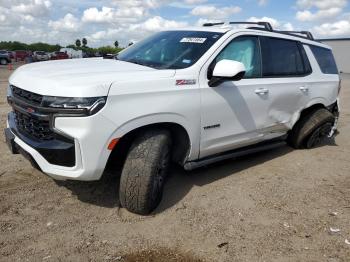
<point>59,55</point>
<point>21,55</point>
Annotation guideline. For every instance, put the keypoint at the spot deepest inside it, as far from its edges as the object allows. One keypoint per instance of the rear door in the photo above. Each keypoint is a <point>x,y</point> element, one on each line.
<point>260,106</point>
<point>287,74</point>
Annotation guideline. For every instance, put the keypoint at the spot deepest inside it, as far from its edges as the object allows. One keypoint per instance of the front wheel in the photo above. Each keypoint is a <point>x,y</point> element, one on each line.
<point>144,171</point>
<point>3,61</point>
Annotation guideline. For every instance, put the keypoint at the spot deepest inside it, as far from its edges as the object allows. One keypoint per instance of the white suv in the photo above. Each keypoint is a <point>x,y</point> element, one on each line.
<point>190,96</point>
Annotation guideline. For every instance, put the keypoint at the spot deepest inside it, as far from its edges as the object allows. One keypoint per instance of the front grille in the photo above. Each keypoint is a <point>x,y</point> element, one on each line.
<point>35,128</point>
<point>29,124</point>
<point>26,96</point>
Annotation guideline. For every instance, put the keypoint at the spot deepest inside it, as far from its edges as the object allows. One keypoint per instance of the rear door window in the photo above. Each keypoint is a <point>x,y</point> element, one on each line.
<point>281,57</point>
<point>325,59</point>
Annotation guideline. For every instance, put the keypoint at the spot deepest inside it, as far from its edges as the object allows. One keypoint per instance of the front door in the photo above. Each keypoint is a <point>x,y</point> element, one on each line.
<point>234,111</point>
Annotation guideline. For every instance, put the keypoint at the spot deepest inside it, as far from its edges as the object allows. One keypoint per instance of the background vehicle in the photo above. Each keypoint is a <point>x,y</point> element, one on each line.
<point>40,56</point>
<point>59,55</point>
<point>11,54</point>
<point>72,53</point>
<point>4,57</point>
<point>109,56</point>
<point>189,96</point>
<point>21,55</point>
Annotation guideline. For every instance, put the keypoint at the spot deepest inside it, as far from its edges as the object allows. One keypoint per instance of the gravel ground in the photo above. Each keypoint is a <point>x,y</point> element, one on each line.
<point>278,205</point>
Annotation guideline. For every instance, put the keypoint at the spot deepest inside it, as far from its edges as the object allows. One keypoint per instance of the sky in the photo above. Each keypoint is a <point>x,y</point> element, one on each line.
<point>104,22</point>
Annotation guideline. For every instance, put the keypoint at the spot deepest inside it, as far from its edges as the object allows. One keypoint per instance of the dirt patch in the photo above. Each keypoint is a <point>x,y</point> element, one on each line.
<point>158,255</point>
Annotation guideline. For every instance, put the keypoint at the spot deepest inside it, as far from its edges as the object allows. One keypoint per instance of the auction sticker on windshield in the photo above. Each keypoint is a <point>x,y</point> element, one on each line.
<point>196,40</point>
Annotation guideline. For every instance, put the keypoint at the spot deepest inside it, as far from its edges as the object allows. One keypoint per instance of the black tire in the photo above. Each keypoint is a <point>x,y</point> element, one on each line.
<point>144,172</point>
<point>3,61</point>
<point>311,129</point>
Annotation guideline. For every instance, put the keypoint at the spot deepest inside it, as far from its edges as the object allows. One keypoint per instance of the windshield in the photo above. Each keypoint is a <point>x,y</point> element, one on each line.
<point>170,49</point>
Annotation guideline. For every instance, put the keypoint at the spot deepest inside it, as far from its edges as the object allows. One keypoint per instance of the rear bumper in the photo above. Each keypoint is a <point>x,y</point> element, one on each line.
<point>335,110</point>
<point>41,58</point>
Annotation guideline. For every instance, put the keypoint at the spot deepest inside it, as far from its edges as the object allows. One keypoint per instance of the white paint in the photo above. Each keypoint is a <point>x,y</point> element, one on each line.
<point>87,77</point>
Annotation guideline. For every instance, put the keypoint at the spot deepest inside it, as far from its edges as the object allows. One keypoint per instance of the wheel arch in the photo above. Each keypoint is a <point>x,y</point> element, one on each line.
<point>181,139</point>
<point>311,106</point>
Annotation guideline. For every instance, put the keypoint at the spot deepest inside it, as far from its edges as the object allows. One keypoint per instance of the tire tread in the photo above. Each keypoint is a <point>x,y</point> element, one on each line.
<point>139,170</point>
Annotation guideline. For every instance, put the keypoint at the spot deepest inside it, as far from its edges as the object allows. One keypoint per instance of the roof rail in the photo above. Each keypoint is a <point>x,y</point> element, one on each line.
<point>213,24</point>
<point>266,25</point>
<point>306,34</point>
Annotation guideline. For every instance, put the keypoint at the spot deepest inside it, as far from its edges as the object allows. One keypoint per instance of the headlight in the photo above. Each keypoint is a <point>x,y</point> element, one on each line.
<point>89,105</point>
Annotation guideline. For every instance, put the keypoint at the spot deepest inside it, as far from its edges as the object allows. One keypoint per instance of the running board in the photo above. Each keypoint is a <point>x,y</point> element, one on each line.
<point>233,154</point>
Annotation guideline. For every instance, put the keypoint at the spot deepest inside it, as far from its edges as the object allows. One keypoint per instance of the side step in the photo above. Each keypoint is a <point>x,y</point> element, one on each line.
<point>233,154</point>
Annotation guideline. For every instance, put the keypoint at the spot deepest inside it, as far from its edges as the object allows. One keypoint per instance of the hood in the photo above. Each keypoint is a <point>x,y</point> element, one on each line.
<point>87,77</point>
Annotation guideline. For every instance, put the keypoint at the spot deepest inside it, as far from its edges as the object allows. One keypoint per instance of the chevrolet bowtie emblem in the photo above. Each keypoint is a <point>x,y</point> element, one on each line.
<point>30,110</point>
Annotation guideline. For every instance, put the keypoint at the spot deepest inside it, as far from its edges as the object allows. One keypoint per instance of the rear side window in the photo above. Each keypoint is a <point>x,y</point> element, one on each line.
<point>325,60</point>
<point>281,58</point>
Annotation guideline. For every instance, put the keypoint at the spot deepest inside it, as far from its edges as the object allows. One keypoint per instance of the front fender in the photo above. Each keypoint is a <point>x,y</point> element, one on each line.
<point>160,118</point>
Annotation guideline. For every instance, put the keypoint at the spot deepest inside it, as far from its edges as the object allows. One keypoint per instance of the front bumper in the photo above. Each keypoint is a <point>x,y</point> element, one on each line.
<point>16,149</point>
<point>63,144</point>
<point>59,151</point>
<point>90,138</point>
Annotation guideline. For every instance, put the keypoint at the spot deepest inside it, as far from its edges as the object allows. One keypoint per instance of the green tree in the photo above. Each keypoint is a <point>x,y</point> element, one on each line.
<point>78,43</point>
<point>12,46</point>
<point>15,45</point>
<point>72,46</point>
<point>84,41</point>
<point>116,44</point>
<point>44,47</point>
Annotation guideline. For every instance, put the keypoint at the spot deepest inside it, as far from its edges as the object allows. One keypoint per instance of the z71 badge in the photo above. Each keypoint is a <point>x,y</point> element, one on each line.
<point>182,82</point>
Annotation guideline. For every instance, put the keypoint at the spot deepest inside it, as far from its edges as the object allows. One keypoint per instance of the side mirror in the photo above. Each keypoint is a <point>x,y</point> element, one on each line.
<point>227,70</point>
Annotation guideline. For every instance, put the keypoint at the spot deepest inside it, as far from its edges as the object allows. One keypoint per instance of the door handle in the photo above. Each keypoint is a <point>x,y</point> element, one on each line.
<point>304,89</point>
<point>261,91</point>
